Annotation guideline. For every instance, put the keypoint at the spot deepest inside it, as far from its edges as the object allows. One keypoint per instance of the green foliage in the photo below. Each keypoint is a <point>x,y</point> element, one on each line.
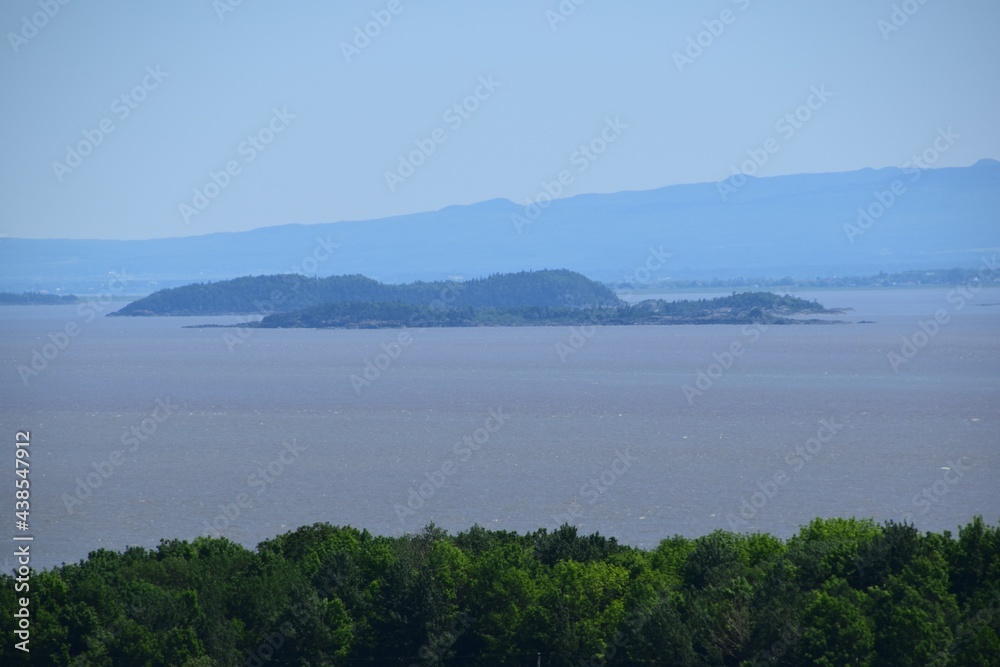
<point>828,548</point>
<point>557,297</point>
<point>579,608</point>
<point>283,293</point>
<point>35,299</point>
<point>841,592</point>
<point>747,308</point>
<point>915,614</point>
<point>564,544</point>
<point>835,630</point>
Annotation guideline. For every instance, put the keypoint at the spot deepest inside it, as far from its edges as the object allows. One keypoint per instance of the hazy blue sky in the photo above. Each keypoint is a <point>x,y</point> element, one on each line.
<point>553,86</point>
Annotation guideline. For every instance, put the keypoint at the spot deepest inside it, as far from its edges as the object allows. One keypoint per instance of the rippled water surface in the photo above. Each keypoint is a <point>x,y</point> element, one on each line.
<point>515,428</point>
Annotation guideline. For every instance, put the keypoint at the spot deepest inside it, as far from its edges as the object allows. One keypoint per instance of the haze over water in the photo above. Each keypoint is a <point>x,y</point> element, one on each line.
<point>605,439</point>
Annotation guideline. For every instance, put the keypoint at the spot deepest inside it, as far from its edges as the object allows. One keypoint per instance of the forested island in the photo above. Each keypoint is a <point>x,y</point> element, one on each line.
<point>550,297</point>
<point>282,293</point>
<point>840,592</point>
<point>745,308</point>
<point>36,299</point>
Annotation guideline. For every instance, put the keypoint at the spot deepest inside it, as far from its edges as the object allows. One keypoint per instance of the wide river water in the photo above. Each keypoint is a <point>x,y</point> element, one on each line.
<point>142,429</point>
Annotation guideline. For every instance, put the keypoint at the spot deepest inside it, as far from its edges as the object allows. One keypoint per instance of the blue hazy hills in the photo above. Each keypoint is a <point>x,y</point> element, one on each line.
<point>850,223</point>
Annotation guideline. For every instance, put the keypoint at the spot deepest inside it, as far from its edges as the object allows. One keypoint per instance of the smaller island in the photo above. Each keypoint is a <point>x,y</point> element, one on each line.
<point>36,299</point>
<point>744,308</point>
<point>526,298</point>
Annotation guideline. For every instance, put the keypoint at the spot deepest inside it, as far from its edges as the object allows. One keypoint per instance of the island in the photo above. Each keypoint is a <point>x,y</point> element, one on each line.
<point>526,298</point>
<point>36,299</point>
<point>745,308</point>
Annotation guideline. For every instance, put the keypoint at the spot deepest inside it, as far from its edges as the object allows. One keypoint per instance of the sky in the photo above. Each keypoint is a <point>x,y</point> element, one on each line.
<point>128,120</point>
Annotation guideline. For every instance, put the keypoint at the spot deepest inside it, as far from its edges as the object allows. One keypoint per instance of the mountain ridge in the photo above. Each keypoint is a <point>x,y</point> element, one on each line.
<point>797,225</point>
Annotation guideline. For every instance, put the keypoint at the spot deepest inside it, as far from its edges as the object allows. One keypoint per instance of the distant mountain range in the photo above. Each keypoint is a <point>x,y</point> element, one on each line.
<point>808,225</point>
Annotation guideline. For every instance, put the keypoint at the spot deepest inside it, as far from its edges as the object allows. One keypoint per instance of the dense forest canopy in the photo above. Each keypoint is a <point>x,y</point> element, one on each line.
<point>745,308</point>
<point>281,293</point>
<point>512,299</point>
<point>840,592</point>
<point>35,299</point>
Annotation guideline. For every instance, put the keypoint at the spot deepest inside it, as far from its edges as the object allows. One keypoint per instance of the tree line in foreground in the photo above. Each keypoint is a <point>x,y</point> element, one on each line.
<point>840,592</point>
